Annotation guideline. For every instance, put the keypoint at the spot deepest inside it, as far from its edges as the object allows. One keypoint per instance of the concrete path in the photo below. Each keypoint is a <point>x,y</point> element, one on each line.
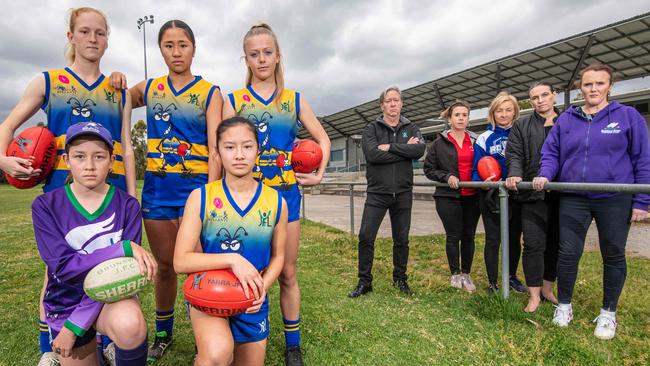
<point>334,210</point>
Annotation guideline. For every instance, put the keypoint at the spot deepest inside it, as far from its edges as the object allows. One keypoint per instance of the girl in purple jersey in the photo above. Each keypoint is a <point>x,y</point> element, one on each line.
<point>78,226</point>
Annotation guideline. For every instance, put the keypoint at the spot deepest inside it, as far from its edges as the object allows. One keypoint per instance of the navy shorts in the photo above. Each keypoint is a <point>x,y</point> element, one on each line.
<point>155,212</point>
<point>247,328</point>
<point>88,337</point>
<point>293,198</point>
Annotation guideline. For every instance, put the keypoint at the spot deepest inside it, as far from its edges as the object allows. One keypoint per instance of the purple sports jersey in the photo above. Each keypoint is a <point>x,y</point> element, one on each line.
<point>72,241</point>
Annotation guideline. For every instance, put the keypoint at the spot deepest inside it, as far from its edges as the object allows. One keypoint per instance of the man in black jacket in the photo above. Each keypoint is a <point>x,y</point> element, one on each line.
<point>539,210</point>
<point>390,144</point>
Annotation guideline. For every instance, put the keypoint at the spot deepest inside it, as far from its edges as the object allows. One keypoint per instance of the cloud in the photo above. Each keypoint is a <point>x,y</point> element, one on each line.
<point>337,53</point>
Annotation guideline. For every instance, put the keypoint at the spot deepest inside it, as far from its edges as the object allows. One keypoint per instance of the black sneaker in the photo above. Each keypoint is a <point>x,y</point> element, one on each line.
<point>159,346</point>
<point>360,290</point>
<point>293,356</point>
<point>403,287</point>
<point>493,289</point>
<point>516,285</point>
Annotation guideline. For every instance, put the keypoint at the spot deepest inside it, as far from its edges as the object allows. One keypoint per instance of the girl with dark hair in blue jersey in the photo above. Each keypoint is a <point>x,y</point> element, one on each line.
<point>215,214</point>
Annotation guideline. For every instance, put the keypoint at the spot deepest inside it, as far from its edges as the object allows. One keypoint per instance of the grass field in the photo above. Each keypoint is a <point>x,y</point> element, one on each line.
<point>437,326</point>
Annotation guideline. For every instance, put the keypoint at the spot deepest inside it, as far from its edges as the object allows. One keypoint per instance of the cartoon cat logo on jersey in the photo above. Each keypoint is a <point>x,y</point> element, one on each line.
<point>232,242</point>
<point>173,151</point>
<point>81,112</point>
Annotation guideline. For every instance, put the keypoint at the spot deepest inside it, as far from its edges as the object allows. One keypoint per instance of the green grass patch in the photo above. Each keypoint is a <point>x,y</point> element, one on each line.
<point>438,326</point>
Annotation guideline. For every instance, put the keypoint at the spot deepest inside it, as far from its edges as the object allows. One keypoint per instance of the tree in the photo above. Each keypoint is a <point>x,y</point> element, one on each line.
<point>139,142</point>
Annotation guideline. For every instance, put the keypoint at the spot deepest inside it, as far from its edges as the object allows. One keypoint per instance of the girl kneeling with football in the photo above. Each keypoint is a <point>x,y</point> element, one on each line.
<point>235,223</point>
<point>77,227</point>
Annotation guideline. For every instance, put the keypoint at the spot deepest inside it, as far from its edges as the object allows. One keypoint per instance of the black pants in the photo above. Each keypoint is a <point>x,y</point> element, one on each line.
<point>459,217</point>
<point>540,226</point>
<point>493,237</point>
<point>399,209</point>
<point>612,217</point>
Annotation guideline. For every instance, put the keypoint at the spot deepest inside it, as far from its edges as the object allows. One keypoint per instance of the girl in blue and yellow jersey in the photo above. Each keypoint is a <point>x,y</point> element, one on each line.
<point>74,94</point>
<point>183,112</point>
<point>278,113</point>
<point>240,224</point>
<point>77,93</point>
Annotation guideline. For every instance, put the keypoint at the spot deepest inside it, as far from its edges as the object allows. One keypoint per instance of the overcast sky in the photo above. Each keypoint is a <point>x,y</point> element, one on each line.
<point>337,53</point>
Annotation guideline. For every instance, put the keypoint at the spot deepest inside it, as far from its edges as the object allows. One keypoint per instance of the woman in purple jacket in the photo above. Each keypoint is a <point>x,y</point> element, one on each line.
<point>600,142</point>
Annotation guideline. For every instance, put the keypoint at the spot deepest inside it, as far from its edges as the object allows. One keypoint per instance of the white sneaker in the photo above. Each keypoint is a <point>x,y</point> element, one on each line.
<point>605,325</point>
<point>109,354</point>
<point>456,281</point>
<point>467,282</point>
<point>563,315</point>
<point>49,359</point>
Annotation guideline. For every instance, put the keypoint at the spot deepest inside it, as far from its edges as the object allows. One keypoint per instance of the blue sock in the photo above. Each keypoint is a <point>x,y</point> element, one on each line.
<point>106,341</point>
<point>100,349</point>
<point>44,337</point>
<point>165,322</point>
<point>132,357</point>
<point>292,332</point>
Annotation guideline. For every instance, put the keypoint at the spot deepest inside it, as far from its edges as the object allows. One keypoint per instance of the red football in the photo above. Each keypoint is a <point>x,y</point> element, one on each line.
<point>487,167</point>
<point>38,142</point>
<point>306,156</point>
<point>217,293</point>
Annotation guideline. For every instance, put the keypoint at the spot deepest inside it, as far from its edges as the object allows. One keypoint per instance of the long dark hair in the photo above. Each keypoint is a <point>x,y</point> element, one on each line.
<point>175,23</point>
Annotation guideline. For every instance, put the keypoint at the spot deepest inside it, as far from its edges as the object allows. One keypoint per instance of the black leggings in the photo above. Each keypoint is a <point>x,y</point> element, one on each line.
<point>493,238</point>
<point>459,217</point>
<point>540,226</point>
<point>612,217</point>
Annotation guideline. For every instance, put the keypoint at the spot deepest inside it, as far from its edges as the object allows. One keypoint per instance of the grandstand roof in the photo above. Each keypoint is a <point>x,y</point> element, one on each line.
<point>624,45</point>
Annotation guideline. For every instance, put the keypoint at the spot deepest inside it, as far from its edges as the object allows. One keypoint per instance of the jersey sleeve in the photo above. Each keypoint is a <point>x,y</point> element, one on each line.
<point>46,100</point>
<point>231,97</point>
<point>64,262</point>
<point>83,316</point>
<point>133,221</point>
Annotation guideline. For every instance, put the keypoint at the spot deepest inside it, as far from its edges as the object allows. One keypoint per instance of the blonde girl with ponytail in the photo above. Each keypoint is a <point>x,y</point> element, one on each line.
<point>278,114</point>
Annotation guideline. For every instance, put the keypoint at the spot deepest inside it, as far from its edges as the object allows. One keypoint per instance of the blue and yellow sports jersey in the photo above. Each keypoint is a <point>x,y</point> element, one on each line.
<point>276,130</point>
<point>228,228</point>
<point>68,100</point>
<point>177,140</point>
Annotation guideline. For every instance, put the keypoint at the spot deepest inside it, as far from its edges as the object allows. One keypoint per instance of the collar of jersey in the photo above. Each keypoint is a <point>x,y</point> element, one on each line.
<point>258,97</point>
<point>83,83</point>
<point>90,216</point>
<point>184,89</point>
<point>234,205</point>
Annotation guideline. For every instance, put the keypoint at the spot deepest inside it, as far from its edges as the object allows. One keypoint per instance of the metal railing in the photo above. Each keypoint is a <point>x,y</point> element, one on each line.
<point>503,206</point>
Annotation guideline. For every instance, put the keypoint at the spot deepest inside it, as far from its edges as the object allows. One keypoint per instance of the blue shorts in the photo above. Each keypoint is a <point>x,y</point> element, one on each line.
<point>88,337</point>
<point>293,197</point>
<point>248,328</point>
<point>155,212</point>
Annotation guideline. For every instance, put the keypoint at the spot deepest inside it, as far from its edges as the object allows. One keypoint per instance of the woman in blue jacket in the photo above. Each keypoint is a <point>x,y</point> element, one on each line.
<point>502,113</point>
<point>600,142</point>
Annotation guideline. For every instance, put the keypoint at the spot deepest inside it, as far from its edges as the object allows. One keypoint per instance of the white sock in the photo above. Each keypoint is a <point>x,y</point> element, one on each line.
<point>611,314</point>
